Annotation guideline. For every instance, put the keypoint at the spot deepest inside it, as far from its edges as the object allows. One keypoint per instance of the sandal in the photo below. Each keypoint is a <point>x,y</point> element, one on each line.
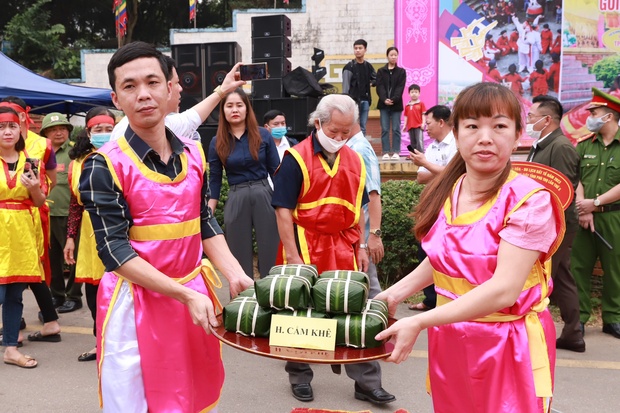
<point>51,338</point>
<point>25,362</point>
<point>419,307</point>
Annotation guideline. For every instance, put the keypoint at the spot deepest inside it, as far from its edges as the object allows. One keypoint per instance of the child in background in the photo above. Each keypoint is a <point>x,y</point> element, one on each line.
<point>415,118</point>
<point>515,80</point>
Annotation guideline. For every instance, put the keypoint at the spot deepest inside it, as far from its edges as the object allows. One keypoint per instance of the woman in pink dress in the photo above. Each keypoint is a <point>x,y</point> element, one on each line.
<point>489,234</point>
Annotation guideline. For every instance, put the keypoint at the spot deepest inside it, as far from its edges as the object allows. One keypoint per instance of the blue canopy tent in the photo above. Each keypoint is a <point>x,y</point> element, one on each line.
<point>45,95</point>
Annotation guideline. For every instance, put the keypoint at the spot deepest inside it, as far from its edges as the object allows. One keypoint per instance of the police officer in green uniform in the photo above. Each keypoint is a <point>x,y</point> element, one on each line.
<point>598,205</point>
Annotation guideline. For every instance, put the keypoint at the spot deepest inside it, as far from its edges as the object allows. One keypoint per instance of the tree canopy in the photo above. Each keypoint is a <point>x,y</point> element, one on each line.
<point>47,35</point>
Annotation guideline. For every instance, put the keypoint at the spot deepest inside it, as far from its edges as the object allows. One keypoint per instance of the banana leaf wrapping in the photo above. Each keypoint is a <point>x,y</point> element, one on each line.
<point>336,296</point>
<point>291,292</point>
<point>377,305</point>
<point>244,316</point>
<point>295,269</point>
<point>347,275</point>
<point>359,330</point>
<point>308,312</point>
<point>248,292</point>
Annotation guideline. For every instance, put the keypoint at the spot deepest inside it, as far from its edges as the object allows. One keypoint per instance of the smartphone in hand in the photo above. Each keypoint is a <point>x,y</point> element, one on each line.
<point>254,71</point>
<point>410,148</point>
<point>32,164</point>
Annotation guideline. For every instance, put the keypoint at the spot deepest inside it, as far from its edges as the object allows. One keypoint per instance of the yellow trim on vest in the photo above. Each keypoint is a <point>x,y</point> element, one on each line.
<point>76,173</point>
<point>471,216</point>
<point>460,286</point>
<point>214,404</point>
<point>539,357</point>
<point>521,202</point>
<point>211,279</point>
<point>330,171</point>
<point>165,232</point>
<point>304,170</point>
<point>115,178</point>
<point>360,189</point>
<point>205,165</point>
<point>331,200</point>
<point>303,244</point>
<point>535,332</point>
<point>148,173</point>
<point>113,299</point>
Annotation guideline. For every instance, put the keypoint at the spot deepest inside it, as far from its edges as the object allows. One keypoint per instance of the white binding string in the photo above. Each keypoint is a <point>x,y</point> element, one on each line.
<point>328,295</point>
<point>254,318</point>
<point>289,280</point>
<point>363,332</point>
<point>240,313</point>
<point>272,289</point>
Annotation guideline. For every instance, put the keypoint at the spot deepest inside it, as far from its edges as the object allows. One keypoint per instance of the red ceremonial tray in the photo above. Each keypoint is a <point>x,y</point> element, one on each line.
<point>341,355</point>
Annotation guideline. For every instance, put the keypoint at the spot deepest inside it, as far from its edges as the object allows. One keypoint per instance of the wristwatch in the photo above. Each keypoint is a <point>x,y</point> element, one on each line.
<point>363,246</point>
<point>376,232</point>
<point>597,202</point>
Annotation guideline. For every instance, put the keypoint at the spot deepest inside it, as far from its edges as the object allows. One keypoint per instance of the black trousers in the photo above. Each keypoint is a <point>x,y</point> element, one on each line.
<point>58,238</point>
<point>90,291</point>
<point>44,299</point>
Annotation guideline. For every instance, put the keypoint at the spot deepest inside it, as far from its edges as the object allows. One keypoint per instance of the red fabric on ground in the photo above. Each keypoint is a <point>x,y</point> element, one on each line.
<point>311,410</point>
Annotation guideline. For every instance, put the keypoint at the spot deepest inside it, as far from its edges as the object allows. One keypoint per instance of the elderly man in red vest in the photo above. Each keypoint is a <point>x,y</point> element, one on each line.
<point>318,196</point>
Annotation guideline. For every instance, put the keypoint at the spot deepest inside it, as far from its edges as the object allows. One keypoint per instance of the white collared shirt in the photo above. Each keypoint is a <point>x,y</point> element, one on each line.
<point>282,147</point>
<point>536,142</point>
<point>440,153</point>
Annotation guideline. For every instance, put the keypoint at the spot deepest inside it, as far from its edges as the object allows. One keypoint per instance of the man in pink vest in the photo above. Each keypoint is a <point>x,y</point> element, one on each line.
<point>147,197</point>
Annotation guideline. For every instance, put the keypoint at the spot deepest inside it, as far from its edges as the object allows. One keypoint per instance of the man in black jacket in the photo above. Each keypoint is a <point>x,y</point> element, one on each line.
<point>357,77</point>
<point>554,149</point>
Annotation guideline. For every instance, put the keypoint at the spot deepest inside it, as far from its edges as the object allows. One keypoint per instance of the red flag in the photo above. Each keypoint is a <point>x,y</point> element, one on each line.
<point>120,12</point>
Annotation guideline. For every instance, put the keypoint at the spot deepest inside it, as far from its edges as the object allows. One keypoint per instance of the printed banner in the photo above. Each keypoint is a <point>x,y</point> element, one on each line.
<point>515,43</point>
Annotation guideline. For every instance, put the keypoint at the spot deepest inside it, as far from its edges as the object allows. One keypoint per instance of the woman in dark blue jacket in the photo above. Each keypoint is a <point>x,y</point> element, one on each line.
<point>390,87</point>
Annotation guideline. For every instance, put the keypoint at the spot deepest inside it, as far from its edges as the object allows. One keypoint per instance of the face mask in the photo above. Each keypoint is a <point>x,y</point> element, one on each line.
<point>278,132</point>
<point>595,124</point>
<point>329,144</point>
<point>529,130</point>
<point>99,139</point>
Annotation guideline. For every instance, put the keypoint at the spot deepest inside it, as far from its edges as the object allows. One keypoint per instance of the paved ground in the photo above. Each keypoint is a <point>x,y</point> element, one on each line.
<point>584,382</point>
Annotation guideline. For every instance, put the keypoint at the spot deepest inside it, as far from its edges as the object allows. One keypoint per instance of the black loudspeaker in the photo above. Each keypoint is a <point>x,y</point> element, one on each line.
<point>267,89</point>
<point>276,66</point>
<point>276,46</point>
<point>201,68</point>
<point>267,26</point>
<point>300,108</point>
<point>207,134</point>
<point>260,107</point>
<point>296,112</point>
